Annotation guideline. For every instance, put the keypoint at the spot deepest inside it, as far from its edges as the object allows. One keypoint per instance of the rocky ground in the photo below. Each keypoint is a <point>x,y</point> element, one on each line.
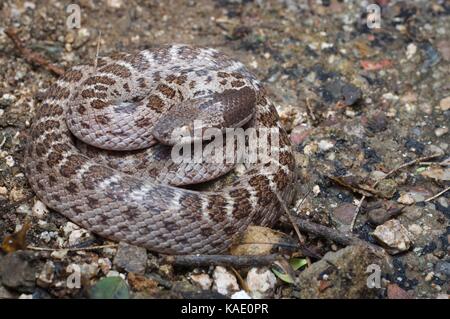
<point>358,103</point>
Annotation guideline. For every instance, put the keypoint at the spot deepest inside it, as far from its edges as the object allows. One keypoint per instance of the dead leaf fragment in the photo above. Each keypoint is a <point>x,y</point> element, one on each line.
<point>257,240</point>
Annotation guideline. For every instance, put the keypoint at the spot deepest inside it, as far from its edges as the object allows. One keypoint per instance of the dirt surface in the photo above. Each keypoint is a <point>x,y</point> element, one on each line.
<point>358,102</point>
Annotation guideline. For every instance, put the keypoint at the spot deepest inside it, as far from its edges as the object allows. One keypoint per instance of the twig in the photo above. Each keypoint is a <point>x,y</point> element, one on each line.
<point>310,111</point>
<point>358,208</point>
<point>420,159</point>
<point>437,195</point>
<point>30,56</point>
<point>297,231</point>
<point>288,214</point>
<point>72,249</point>
<point>443,163</point>
<point>330,233</point>
<point>221,260</point>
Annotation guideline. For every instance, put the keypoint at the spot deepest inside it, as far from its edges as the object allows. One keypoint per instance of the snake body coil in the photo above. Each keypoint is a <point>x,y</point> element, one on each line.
<point>93,141</point>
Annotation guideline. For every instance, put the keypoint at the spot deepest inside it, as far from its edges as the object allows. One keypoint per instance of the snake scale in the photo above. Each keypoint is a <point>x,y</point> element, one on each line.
<point>93,146</point>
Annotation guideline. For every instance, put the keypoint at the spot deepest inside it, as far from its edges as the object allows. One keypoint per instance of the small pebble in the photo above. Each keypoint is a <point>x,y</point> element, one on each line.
<point>202,280</point>
<point>3,190</point>
<point>59,254</point>
<point>131,258</point>
<point>77,236</point>
<point>39,209</point>
<point>114,3</point>
<point>23,209</point>
<point>429,276</point>
<point>241,294</point>
<point>316,190</point>
<point>7,99</point>
<point>394,236</point>
<point>395,292</point>
<point>225,282</point>
<point>406,199</point>
<point>325,145</point>
<point>444,104</point>
<point>16,195</point>
<point>261,282</point>
<point>441,131</point>
<point>411,49</point>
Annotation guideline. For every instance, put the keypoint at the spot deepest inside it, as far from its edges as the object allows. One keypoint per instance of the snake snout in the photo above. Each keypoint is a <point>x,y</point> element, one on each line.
<point>170,131</point>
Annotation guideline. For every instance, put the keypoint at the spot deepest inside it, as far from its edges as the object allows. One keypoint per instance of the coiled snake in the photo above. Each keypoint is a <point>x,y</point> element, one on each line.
<point>92,157</point>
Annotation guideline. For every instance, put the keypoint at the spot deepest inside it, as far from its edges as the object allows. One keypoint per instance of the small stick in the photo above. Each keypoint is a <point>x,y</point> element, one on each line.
<point>72,249</point>
<point>420,159</point>
<point>443,163</point>
<point>30,56</point>
<point>294,225</point>
<point>329,233</point>
<point>310,111</point>
<point>221,260</point>
<point>358,208</point>
<point>286,210</point>
<point>437,195</point>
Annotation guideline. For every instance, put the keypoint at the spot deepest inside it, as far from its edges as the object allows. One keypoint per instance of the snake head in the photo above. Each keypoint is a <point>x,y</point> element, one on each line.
<point>175,126</point>
<point>187,122</point>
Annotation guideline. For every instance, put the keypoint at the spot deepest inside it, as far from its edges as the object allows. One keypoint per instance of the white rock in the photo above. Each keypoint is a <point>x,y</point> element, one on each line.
<point>59,254</point>
<point>29,5</point>
<point>77,236</point>
<point>203,280</point>
<point>39,209</point>
<point>411,49</point>
<point>23,209</point>
<point>325,145</point>
<point>75,233</point>
<point>261,282</point>
<point>3,190</point>
<point>394,236</point>
<point>7,99</point>
<point>441,131</point>
<point>429,276</point>
<point>241,294</point>
<point>225,282</point>
<point>114,3</point>
<point>25,296</point>
<point>69,227</point>
<point>47,236</point>
<point>9,160</point>
<point>316,190</point>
